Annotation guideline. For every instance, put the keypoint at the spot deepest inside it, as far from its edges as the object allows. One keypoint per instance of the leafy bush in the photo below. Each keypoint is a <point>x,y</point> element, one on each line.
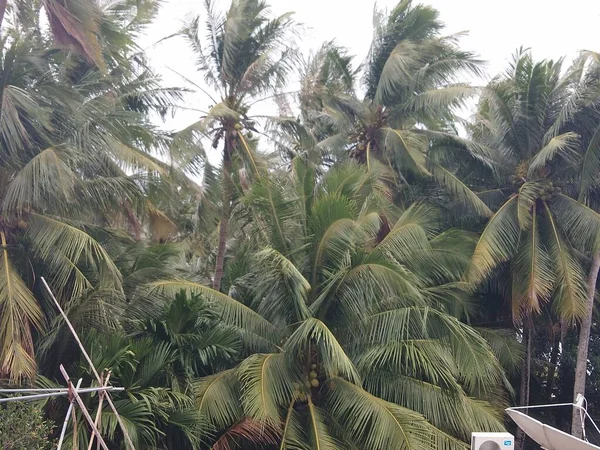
<point>22,427</point>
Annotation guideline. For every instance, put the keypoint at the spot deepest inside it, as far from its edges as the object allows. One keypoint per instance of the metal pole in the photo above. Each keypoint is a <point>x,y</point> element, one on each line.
<point>59,393</point>
<point>64,427</point>
<point>18,391</point>
<point>87,357</point>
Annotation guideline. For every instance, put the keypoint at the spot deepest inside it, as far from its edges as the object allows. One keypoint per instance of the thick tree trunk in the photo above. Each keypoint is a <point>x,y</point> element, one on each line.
<point>225,213</point>
<point>582,348</point>
<point>525,375</point>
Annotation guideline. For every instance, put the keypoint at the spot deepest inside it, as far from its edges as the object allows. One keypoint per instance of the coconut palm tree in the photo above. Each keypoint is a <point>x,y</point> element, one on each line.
<point>582,118</point>
<point>349,340</point>
<point>74,158</point>
<point>412,84</point>
<point>246,55</point>
<point>539,225</point>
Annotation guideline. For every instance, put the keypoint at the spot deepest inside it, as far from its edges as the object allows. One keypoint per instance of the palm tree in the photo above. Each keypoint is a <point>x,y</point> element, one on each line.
<point>246,56</point>
<point>349,340</point>
<point>582,119</point>
<point>70,135</point>
<point>411,81</point>
<point>524,115</point>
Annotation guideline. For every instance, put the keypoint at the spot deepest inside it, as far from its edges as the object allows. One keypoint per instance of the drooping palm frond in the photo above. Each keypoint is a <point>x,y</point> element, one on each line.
<point>334,358</point>
<point>69,251</point>
<point>246,430</point>
<point>77,25</point>
<point>219,399</point>
<point>374,423</point>
<point>258,333</point>
<point>19,311</point>
<point>266,383</point>
<point>498,242</point>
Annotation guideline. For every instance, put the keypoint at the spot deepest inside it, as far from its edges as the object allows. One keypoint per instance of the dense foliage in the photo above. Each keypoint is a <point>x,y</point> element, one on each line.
<point>363,270</point>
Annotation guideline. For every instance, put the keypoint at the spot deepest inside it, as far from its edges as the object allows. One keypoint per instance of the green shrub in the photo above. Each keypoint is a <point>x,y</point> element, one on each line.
<point>22,427</point>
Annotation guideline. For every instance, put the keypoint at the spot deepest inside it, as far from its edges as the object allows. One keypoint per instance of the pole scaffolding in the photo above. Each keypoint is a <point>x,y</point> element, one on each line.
<point>96,374</point>
<point>66,421</point>
<point>34,397</point>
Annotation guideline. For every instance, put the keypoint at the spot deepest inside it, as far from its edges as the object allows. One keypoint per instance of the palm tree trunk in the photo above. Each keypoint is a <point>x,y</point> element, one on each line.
<point>525,375</point>
<point>553,362</point>
<point>225,213</point>
<point>582,349</point>
<point>2,10</point>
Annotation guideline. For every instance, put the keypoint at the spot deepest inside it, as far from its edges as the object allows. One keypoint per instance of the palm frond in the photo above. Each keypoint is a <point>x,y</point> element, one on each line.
<point>319,434</point>
<point>314,332</point>
<point>498,242</point>
<point>375,423</point>
<point>218,399</point>
<point>258,332</point>
<point>565,146</point>
<point>19,312</point>
<point>266,383</point>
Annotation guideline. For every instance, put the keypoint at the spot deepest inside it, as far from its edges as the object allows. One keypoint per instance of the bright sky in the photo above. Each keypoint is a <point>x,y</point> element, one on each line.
<point>552,28</point>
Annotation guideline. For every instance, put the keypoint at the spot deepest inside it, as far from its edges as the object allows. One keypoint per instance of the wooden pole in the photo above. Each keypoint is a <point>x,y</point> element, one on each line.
<point>66,421</point>
<point>88,359</point>
<point>86,414</point>
<point>99,412</point>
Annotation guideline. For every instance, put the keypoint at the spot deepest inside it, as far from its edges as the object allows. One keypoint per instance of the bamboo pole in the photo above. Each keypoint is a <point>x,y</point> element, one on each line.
<point>66,421</point>
<point>99,412</point>
<point>88,359</point>
<point>86,414</point>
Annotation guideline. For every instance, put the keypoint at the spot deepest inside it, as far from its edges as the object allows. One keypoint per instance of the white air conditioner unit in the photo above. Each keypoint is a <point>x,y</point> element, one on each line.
<point>492,441</point>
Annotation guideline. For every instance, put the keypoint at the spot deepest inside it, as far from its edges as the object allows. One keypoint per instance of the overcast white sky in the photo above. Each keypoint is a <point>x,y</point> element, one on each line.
<point>552,28</point>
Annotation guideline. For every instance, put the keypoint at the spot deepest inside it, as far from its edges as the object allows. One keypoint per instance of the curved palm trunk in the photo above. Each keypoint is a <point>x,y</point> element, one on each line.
<point>525,375</point>
<point>582,348</point>
<point>225,213</point>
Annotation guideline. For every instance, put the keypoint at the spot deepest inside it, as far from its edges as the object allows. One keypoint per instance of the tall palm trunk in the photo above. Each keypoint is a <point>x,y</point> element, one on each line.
<point>553,362</point>
<point>225,212</point>
<point>525,375</point>
<point>584,341</point>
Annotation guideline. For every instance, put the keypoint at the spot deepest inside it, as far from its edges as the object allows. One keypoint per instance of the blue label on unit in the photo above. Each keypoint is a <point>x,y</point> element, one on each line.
<point>507,442</point>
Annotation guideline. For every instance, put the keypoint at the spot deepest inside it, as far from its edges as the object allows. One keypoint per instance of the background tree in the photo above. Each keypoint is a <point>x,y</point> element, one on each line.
<point>357,325</point>
<point>248,55</point>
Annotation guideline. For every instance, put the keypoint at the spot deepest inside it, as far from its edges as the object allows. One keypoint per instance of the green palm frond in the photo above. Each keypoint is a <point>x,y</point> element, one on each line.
<point>498,242</point>
<point>283,290</point>
<point>565,146</point>
<point>19,313</point>
<point>293,434</point>
<point>458,189</point>
<point>529,193</point>
<point>533,275</point>
<point>258,332</point>
<point>334,358</point>
<point>319,432</point>
<point>570,287</point>
<point>446,408</point>
<point>218,399</point>
<point>577,221</point>
<point>69,251</point>
<point>590,165</point>
<point>375,423</point>
<point>266,383</point>
<point>507,349</point>
<point>46,179</point>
